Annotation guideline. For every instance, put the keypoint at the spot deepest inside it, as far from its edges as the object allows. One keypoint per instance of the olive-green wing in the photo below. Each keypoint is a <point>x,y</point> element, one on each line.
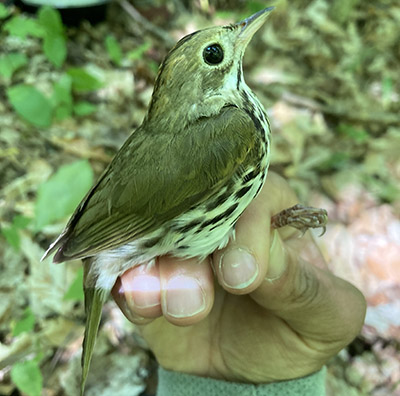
<point>155,177</point>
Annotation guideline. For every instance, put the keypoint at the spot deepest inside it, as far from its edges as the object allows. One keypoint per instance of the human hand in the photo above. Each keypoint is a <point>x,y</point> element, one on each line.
<point>276,316</point>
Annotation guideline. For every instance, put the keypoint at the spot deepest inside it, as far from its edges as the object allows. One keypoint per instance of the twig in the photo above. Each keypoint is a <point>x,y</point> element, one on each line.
<point>161,34</point>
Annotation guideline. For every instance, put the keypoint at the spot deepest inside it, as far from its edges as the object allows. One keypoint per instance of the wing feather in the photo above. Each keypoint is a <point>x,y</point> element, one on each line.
<point>154,178</point>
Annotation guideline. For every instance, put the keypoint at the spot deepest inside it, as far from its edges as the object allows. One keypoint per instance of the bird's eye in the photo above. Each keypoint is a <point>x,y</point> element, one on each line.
<point>213,54</point>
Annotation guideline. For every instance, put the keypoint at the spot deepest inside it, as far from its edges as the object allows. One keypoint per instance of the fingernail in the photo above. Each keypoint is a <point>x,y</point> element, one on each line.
<point>143,291</point>
<point>277,259</point>
<point>127,310</point>
<point>184,297</point>
<point>238,268</point>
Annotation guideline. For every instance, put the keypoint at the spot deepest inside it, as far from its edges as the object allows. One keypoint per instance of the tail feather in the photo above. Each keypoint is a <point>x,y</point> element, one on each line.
<point>94,301</point>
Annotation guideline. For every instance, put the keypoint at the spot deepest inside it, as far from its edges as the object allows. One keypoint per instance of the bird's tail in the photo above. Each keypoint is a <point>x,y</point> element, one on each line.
<point>94,301</point>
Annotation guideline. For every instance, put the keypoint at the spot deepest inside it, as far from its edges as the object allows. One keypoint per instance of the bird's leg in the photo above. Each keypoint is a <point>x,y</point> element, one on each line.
<point>301,217</point>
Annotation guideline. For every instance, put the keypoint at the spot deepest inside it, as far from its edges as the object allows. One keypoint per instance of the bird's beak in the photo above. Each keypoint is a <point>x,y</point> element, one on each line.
<point>249,26</point>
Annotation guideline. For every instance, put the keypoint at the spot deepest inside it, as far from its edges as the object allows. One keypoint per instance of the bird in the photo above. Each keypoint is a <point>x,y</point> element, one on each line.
<point>182,179</point>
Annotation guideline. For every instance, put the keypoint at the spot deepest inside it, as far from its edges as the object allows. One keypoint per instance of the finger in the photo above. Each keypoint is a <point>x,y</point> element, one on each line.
<point>245,262</point>
<point>187,289</point>
<point>312,301</point>
<point>137,292</point>
<point>242,265</point>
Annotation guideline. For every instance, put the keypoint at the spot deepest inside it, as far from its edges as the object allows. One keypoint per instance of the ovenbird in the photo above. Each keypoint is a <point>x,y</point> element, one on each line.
<point>183,178</point>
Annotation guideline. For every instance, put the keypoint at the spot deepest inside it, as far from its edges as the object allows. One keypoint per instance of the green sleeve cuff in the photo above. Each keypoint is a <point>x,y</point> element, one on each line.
<point>171,383</point>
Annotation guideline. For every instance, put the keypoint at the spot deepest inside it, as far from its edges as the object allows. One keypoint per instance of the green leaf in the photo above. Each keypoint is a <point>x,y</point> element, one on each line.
<point>113,49</point>
<point>83,81</point>
<point>51,21</point>
<point>20,221</point>
<point>55,48</point>
<point>340,10</point>
<point>10,63</point>
<point>336,160</point>
<point>12,236</point>
<point>27,377</point>
<point>357,134</point>
<point>30,104</point>
<point>25,324</point>
<point>21,26</point>
<point>62,97</point>
<point>153,65</point>
<point>62,112</point>
<point>138,52</point>
<point>4,11</point>
<point>62,91</point>
<point>254,6</point>
<point>11,233</point>
<point>59,196</point>
<point>75,291</point>
<point>382,188</point>
<point>54,44</point>
<point>225,14</point>
<point>84,108</point>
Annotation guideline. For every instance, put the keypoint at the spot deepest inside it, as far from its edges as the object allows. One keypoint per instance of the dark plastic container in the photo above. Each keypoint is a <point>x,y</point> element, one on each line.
<point>72,11</point>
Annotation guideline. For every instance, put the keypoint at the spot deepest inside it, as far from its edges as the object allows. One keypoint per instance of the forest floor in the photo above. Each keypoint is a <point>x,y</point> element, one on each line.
<point>327,74</point>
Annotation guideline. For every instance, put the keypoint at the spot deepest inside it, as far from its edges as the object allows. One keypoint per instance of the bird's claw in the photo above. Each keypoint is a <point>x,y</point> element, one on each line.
<point>302,218</point>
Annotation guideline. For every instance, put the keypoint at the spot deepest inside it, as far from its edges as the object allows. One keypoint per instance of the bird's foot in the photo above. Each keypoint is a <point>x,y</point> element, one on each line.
<point>302,218</point>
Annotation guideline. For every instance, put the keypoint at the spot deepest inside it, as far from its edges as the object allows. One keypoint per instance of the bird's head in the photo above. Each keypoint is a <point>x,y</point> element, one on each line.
<point>203,71</point>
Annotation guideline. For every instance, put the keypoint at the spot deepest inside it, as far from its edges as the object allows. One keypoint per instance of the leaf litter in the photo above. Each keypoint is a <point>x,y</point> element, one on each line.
<point>327,73</point>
